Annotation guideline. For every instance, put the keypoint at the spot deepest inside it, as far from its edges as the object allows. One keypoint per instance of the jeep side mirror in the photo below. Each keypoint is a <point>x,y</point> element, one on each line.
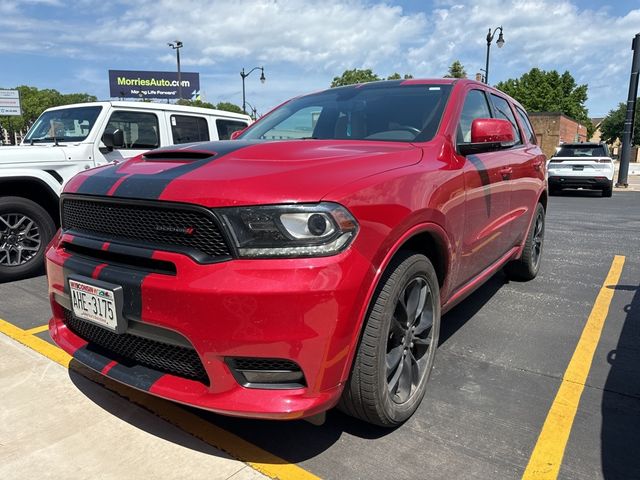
<point>113,139</point>
<point>488,134</point>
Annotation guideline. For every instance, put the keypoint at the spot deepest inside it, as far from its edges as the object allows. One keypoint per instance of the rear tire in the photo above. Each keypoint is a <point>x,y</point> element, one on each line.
<point>527,266</point>
<point>397,349</point>
<point>608,191</point>
<point>25,231</point>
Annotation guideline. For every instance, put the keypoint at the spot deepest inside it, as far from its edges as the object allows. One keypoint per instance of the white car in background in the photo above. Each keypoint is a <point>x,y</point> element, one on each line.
<point>581,165</point>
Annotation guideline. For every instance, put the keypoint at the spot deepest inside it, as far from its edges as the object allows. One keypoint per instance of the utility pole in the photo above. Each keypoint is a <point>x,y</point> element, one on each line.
<point>627,132</point>
<point>177,45</point>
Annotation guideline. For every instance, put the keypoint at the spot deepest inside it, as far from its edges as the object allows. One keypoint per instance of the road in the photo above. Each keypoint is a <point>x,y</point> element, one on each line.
<point>499,369</point>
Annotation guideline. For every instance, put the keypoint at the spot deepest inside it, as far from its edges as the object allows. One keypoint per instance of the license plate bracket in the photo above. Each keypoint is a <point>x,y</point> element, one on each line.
<point>97,302</point>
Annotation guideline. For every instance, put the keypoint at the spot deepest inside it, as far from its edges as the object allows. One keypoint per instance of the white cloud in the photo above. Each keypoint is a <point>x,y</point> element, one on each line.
<point>303,44</point>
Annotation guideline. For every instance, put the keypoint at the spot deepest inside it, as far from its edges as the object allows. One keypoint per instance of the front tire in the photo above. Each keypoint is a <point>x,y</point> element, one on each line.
<point>25,230</point>
<point>397,349</point>
<point>527,266</point>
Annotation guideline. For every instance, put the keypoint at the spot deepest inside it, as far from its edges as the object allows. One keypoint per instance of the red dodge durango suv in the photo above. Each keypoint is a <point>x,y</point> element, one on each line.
<point>305,264</point>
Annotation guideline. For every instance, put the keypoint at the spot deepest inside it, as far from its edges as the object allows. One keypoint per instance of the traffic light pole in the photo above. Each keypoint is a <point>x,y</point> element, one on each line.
<point>627,132</point>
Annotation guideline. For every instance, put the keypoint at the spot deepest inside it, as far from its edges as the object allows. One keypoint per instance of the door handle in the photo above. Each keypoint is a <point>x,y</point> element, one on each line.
<point>506,172</point>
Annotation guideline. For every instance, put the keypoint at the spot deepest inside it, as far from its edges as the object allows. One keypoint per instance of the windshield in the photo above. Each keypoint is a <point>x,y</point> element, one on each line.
<point>373,111</point>
<point>581,151</point>
<point>69,125</point>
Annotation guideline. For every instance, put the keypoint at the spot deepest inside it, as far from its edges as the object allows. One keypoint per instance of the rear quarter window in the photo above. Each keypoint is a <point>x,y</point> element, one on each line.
<point>227,127</point>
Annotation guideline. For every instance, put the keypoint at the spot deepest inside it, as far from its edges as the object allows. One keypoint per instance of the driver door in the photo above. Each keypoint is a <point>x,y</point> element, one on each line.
<point>141,133</point>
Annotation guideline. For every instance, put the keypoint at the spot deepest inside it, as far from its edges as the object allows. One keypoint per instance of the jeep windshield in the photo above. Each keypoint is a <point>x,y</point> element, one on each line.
<point>68,125</point>
<point>384,111</point>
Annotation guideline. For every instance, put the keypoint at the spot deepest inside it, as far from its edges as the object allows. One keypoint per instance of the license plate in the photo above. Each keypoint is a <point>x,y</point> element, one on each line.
<point>97,304</point>
<point>578,167</point>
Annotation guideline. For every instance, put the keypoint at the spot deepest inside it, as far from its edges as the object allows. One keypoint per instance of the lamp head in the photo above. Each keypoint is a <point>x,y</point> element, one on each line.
<point>262,77</point>
<point>500,41</point>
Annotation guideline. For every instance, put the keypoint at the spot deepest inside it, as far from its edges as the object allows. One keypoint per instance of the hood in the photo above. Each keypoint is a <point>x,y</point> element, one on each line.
<point>18,154</point>
<point>243,172</point>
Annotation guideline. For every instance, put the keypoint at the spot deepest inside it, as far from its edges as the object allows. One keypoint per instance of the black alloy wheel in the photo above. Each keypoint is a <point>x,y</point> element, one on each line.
<point>398,344</point>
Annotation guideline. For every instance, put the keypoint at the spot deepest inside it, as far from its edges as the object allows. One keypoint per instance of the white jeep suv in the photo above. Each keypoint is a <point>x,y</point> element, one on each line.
<point>581,165</point>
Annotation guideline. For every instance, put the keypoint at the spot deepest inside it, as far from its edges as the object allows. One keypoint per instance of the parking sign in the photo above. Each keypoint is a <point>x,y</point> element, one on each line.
<point>10,102</point>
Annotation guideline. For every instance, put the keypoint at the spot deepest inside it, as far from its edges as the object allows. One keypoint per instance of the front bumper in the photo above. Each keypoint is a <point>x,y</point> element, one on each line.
<point>307,311</point>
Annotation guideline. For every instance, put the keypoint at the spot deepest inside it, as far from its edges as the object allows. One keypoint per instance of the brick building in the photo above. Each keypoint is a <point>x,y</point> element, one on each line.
<point>554,128</point>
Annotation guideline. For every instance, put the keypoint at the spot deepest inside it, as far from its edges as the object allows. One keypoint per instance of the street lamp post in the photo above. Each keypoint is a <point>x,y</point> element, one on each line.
<point>254,112</point>
<point>245,75</point>
<point>500,43</point>
<point>177,45</point>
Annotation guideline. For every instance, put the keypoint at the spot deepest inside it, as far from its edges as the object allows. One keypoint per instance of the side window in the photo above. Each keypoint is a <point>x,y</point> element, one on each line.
<point>503,110</point>
<point>140,129</point>
<point>475,106</point>
<point>227,127</point>
<point>528,129</point>
<point>186,129</point>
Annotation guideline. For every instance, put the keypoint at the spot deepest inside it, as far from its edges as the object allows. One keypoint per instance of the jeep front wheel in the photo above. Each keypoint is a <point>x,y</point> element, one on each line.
<point>25,230</point>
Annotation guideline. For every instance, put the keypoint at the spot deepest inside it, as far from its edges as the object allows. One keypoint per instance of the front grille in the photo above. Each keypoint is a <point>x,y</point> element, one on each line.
<point>174,228</point>
<point>128,349</point>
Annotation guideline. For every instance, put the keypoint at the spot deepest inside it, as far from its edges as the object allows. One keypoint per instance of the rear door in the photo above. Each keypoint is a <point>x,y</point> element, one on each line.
<point>487,192</point>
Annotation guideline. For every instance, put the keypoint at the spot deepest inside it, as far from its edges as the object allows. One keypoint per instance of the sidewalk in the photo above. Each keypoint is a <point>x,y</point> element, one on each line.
<point>54,423</point>
<point>633,178</point>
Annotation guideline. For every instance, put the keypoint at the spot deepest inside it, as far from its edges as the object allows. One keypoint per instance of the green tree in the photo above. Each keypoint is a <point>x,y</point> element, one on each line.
<point>226,106</point>
<point>396,76</point>
<point>542,91</point>
<point>456,70</point>
<point>229,107</point>
<point>34,101</point>
<point>195,103</point>
<point>613,124</point>
<point>349,77</point>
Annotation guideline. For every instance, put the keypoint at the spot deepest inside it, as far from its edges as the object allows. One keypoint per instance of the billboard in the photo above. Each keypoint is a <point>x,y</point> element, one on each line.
<point>10,102</point>
<point>135,84</point>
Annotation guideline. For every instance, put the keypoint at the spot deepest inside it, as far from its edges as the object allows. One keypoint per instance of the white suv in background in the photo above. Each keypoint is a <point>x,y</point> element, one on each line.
<point>581,165</point>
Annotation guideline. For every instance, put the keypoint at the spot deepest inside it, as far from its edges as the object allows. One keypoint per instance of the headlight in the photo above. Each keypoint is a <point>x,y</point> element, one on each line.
<point>288,231</point>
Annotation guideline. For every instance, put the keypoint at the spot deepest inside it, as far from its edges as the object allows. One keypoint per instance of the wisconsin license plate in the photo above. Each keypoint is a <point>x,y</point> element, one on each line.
<point>97,304</point>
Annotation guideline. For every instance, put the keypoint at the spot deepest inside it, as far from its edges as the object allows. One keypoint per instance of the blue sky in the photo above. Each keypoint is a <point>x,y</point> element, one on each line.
<point>303,44</point>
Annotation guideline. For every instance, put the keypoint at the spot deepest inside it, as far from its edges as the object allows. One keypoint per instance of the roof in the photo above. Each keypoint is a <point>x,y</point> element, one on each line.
<point>160,107</point>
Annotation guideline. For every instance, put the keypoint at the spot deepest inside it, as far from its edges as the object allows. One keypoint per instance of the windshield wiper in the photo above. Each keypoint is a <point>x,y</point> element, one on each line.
<point>46,139</point>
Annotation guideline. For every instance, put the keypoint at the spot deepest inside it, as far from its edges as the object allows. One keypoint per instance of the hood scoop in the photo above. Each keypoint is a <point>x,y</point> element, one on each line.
<point>182,156</point>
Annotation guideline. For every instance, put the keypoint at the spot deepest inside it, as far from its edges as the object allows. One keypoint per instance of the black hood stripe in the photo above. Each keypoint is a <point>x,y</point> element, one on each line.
<point>150,187</point>
<point>101,182</point>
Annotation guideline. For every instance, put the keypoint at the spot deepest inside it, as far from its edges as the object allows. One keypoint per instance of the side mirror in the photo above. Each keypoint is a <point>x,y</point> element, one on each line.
<point>488,134</point>
<point>113,139</point>
<point>237,133</point>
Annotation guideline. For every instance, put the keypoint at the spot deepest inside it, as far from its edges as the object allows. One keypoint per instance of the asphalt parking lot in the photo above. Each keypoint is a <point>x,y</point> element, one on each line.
<point>506,399</point>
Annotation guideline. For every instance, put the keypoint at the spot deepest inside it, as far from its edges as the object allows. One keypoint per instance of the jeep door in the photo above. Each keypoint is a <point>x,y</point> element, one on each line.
<point>487,195</point>
<point>141,131</point>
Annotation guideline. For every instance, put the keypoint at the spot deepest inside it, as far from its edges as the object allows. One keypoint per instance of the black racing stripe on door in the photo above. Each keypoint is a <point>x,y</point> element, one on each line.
<point>91,359</point>
<point>137,376</point>
<point>101,181</point>
<point>131,282</point>
<point>484,178</point>
<point>151,186</point>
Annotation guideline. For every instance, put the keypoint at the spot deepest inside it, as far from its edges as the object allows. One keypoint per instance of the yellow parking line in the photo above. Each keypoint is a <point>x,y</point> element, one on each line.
<point>254,456</point>
<point>546,457</point>
<point>41,328</point>
<point>41,346</point>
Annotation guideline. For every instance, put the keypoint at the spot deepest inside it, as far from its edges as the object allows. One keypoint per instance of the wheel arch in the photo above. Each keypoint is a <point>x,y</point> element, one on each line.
<point>34,189</point>
<point>429,239</point>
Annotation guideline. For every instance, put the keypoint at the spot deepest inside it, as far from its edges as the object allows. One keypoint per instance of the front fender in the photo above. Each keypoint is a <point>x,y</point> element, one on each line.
<point>40,176</point>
